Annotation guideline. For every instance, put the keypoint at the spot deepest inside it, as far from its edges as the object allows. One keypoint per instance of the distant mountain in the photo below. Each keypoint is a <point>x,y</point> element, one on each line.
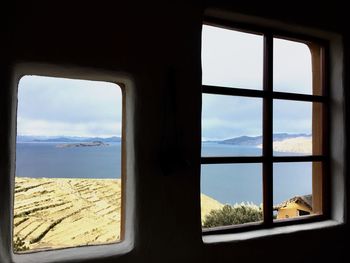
<point>66,139</point>
<point>28,138</point>
<point>59,139</point>
<point>243,140</point>
<point>283,136</point>
<point>109,139</point>
<point>256,140</point>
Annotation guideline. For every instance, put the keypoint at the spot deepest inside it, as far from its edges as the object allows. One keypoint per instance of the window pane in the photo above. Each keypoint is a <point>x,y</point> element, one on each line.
<point>237,185</point>
<point>231,58</point>
<point>292,68</point>
<point>231,125</point>
<point>292,184</point>
<point>68,164</point>
<point>292,127</point>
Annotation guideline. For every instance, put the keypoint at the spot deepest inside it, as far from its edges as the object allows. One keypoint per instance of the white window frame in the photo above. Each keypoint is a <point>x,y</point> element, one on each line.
<point>80,253</point>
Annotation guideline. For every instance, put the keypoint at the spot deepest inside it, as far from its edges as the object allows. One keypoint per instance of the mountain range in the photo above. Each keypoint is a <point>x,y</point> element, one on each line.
<point>257,140</point>
<point>241,140</point>
<point>65,139</point>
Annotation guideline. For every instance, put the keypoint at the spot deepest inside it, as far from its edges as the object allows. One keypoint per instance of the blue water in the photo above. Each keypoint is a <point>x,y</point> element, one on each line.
<point>227,183</point>
<point>237,183</point>
<point>48,160</point>
<point>217,149</point>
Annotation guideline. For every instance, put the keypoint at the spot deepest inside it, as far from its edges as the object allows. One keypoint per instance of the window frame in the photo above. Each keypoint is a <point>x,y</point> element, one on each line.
<point>121,86</point>
<point>267,159</point>
<point>127,235</point>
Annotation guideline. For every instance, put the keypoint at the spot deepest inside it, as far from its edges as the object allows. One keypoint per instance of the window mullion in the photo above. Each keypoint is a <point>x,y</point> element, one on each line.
<point>231,159</point>
<point>268,130</point>
<point>232,91</point>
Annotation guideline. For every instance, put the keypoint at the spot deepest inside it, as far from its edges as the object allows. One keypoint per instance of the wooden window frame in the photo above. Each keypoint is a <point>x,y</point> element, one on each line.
<point>320,127</point>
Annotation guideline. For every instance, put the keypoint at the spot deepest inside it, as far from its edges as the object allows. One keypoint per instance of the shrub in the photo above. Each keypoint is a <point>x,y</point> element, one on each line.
<point>19,245</point>
<point>233,215</point>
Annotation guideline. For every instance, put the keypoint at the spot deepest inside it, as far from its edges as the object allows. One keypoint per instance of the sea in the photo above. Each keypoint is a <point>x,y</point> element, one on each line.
<point>227,183</point>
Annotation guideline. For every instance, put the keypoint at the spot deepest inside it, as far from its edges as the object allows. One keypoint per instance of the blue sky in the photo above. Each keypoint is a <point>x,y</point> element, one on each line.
<point>55,106</point>
<point>235,59</point>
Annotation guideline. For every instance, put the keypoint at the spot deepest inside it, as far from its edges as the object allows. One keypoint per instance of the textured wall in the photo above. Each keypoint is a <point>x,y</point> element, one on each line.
<point>159,46</point>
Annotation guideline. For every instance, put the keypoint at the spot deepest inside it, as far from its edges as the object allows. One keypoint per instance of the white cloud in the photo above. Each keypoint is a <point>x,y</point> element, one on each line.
<point>52,128</point>
<point>235,59</point>
<point>231,58</point>
<point>55,106</point>
<point>292,67</point>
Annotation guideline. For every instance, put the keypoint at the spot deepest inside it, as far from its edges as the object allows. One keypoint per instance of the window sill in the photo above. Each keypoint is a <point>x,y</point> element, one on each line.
<point>75,254</point>
<point>236,237</point>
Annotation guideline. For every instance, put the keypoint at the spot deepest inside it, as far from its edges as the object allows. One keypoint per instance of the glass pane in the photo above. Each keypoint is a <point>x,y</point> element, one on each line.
<point>292,68</point>
<point>231,194</point>
<point>231,58</point>
<point>231,125</point>
<point>292,189</point>
<point>68,164</point>
<point>292,127</point>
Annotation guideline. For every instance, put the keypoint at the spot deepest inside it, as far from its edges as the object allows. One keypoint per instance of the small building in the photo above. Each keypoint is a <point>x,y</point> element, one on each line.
<point>294,207</point>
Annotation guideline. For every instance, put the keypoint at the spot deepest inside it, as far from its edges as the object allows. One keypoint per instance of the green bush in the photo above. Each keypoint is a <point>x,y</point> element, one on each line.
<point>19,245</point>
<point>233,215</point>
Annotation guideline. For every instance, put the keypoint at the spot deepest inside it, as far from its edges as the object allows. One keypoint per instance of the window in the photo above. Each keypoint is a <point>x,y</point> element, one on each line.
<point>69,183</point>
<point>264,129</point>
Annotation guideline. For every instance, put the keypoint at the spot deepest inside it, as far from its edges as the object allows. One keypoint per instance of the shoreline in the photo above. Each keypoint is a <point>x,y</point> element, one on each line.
<point>302,145</point>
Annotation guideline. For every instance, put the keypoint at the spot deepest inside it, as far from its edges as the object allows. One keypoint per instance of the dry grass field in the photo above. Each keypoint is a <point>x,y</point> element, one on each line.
<point>55,213</point>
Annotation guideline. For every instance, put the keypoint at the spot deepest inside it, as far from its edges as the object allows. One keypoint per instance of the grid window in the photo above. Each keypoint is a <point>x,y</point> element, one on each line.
<point>264,138</point>
<point>68,181</point>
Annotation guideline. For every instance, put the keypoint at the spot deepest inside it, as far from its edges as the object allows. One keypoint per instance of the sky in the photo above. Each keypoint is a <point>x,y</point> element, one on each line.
<point>234,59</point>
<point>50,106</point>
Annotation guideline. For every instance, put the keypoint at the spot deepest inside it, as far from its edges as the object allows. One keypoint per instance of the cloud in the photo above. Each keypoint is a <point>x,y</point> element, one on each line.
<point>52,128</point>
<point>232,58</point>
<point>235,59</point>
<point>292,67</point>
<point>56,106</point>
<point>230,116</point>
<point>292,116</point>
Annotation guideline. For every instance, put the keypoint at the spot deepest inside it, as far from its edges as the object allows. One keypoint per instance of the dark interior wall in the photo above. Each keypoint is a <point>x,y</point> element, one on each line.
<point>329,15</point>
<point>158,44</point>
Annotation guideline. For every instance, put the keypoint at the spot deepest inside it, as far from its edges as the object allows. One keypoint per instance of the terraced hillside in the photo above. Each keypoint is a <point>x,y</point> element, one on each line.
<point>208,204</point>
<point>55,213</point>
